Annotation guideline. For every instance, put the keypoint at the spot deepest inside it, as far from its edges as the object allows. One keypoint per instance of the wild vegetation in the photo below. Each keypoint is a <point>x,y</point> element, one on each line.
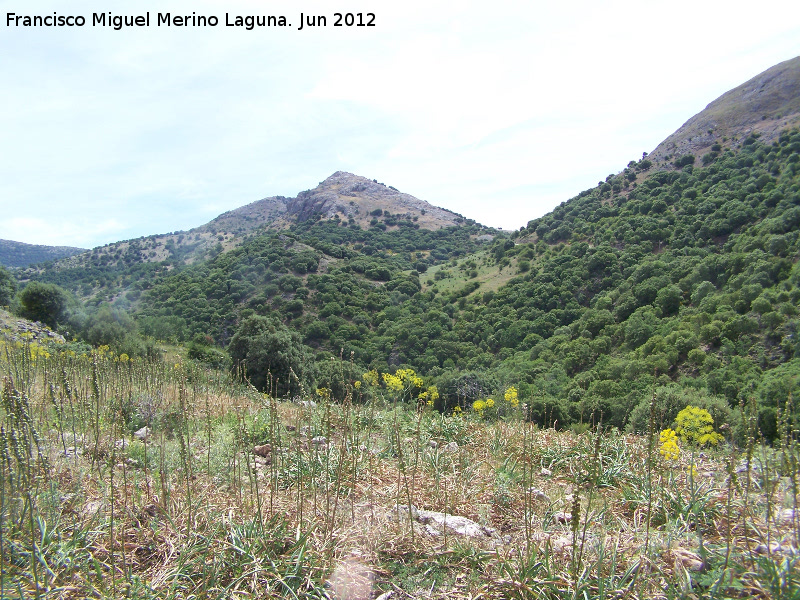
<point>345,395</point>
<point>138,478</point>
<point>18,254</point>
<point>684,279</point>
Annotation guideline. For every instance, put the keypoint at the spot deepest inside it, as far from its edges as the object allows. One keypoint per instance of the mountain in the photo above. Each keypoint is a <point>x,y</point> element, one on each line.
<point>19,254</point>
<point>343,195</point>
<point>681,279</point>
<point>765,105</point>
<point>350,196</point>
<point>107,272</point>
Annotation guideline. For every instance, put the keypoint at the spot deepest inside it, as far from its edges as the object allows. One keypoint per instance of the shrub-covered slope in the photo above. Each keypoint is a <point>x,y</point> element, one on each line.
<point>684,276</point>
<point>106,273</point>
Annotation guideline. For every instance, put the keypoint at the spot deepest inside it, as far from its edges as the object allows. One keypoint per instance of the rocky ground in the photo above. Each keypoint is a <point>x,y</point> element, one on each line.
<point>17,330</point>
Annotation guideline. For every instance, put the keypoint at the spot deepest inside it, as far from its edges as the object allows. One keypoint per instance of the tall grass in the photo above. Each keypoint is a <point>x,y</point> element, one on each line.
<point>187,509</point>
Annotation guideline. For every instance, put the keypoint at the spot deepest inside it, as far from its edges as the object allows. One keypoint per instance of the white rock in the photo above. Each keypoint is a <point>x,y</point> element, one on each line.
<point>689,560</point>
<point>562,517</point>
<point>435,522</point>
<point>545,472</point>
<point>460,525</point>
<point>143,433</point>
<point>451,447</point>
<point>538,494</point>
<point>560,544</point>
<point>91,508</point>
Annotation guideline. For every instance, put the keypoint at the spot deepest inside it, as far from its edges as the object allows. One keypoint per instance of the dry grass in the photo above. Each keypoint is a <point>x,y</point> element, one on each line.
<point>192,512</point>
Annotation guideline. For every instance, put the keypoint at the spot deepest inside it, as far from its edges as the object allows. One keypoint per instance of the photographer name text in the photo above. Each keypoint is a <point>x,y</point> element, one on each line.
<point>246,22</point>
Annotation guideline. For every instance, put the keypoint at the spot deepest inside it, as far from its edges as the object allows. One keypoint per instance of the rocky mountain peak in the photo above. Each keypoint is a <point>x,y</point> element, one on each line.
<point>765,105</point>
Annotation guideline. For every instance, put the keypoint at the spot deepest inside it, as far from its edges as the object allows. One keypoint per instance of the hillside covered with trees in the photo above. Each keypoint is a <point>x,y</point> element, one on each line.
<point>676,278</point>
<point>684,279</point>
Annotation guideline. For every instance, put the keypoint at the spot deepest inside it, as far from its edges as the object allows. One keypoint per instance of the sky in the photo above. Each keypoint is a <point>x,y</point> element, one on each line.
<point>496,110</point>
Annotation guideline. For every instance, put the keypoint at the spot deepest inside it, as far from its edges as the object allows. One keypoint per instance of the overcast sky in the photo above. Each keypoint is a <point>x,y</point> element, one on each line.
<point>496,110</point>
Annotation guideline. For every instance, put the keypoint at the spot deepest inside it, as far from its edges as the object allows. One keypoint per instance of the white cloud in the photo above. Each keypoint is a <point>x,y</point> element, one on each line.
<point>498,111</point>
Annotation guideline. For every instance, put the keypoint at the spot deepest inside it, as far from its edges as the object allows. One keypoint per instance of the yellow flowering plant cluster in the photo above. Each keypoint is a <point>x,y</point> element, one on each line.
<point>669,445</point>
<point>393,382</point>
<point>403,383</point>
<point>489,409</point>
<point>484,408</point>
<point>370,378</point>
<point>36,351</point>
<point>402,380</point>
<point>429,396</point>
<point>512,396</point>
<point>695,426</point>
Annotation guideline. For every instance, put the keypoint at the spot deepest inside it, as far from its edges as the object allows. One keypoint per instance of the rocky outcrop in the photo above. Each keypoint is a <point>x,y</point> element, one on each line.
<point>348,195</point>
<point>766,105</point>
<point>20,330</point>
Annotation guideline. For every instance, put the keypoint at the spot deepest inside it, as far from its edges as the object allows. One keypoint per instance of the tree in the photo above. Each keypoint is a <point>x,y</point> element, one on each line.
<point>108,326</point>
<point>45,302</point>
<point>8,287</point>
<point>668,299</point>
<point>272,356</point>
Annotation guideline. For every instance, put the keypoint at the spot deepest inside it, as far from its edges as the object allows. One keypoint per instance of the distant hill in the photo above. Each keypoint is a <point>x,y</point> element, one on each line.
<point>353,198</point>
<point>341,199</point>
<point>765,105</point>
<point>676,275</point>
<point>19,254</point>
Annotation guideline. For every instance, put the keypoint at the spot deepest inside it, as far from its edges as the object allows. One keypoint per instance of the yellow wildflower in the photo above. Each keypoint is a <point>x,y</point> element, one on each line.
<point>489,403</point>
<point>370,378</point>
<point>669,445</point>
<point>393,382</point>
<point>512,396</point>
<point>478,406</point>
<point>696,426</point>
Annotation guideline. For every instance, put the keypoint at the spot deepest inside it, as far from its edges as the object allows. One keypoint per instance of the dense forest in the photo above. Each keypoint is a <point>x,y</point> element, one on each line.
<point>682,280</point>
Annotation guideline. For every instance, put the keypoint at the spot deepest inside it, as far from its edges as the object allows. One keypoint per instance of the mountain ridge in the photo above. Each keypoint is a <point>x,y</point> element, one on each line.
<point>674,276</point>
<point>344,193</point>
<point>20,254</point>
<point>346,196</point>
<point>765,104</point>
